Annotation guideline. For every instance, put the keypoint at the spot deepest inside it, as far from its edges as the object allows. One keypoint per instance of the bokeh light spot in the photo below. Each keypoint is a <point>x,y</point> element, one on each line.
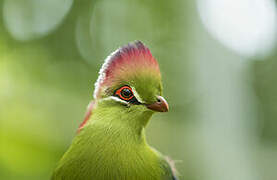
<point>30,19</point>
<point>246,26</point>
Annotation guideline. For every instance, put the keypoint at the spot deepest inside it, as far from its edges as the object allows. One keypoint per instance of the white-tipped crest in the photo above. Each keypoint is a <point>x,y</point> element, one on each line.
<point>102,73</point>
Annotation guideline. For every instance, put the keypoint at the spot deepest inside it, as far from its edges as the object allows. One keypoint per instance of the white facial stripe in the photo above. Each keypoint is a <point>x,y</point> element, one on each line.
<point>137,95</point>
<point>114,98</point>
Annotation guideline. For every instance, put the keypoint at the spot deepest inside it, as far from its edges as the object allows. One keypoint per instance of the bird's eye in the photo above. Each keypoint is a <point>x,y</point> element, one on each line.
<point>125,93</point>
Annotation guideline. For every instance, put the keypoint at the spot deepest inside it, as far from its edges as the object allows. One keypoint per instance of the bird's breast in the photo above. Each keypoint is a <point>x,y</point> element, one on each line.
<point>111,155</point>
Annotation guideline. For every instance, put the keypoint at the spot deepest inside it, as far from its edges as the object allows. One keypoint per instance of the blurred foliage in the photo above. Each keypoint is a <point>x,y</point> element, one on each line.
<point>265,76</point>
<point>48,66</point>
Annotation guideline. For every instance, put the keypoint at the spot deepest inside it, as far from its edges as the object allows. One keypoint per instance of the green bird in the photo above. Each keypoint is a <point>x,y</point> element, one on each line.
<point>110,143</point>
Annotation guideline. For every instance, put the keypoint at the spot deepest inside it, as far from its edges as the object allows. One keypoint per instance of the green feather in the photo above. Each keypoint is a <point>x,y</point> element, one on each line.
<point>112,145</point>
<point>113,148</point>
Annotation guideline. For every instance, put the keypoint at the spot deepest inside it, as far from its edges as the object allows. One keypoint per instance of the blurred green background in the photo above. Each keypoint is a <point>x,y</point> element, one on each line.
<point>217,57</point>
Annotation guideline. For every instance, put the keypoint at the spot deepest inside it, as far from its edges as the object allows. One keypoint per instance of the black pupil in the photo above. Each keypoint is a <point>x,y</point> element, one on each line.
<point>126,93</point>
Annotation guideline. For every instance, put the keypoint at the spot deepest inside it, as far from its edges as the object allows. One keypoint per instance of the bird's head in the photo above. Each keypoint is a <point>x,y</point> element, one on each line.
<point>130,81</point>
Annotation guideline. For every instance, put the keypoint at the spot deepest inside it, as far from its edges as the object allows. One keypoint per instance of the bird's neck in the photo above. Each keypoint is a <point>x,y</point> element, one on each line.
<point>115,151</point>
<point>122,120</point>
<point>114,139</point>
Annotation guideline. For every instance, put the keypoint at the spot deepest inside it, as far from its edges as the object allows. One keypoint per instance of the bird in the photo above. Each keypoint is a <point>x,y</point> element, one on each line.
<point>110,143</point>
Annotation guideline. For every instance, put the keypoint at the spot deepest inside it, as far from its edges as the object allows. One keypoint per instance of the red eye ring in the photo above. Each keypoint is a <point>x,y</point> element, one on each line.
<point>124,95</point>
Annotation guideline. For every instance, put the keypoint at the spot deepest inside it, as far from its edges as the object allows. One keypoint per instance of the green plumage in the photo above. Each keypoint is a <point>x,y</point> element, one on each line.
<point>112,144</point>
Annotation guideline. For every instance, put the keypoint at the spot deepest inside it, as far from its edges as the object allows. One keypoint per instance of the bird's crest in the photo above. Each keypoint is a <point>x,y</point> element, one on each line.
<point>125,61</point>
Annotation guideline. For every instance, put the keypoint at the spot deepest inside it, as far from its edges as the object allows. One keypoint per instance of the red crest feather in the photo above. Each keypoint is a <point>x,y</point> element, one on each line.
<point>126,59</point>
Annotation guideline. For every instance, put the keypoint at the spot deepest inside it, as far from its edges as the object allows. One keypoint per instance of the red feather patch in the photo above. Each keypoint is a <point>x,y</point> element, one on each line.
<point>87,116</point>
<point>126,60</point>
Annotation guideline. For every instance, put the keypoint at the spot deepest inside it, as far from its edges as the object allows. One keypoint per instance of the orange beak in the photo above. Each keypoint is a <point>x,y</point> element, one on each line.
<point>160,106</point>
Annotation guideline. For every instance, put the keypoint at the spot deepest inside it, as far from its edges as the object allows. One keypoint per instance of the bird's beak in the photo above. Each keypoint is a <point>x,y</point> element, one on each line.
<point>160,106</point>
